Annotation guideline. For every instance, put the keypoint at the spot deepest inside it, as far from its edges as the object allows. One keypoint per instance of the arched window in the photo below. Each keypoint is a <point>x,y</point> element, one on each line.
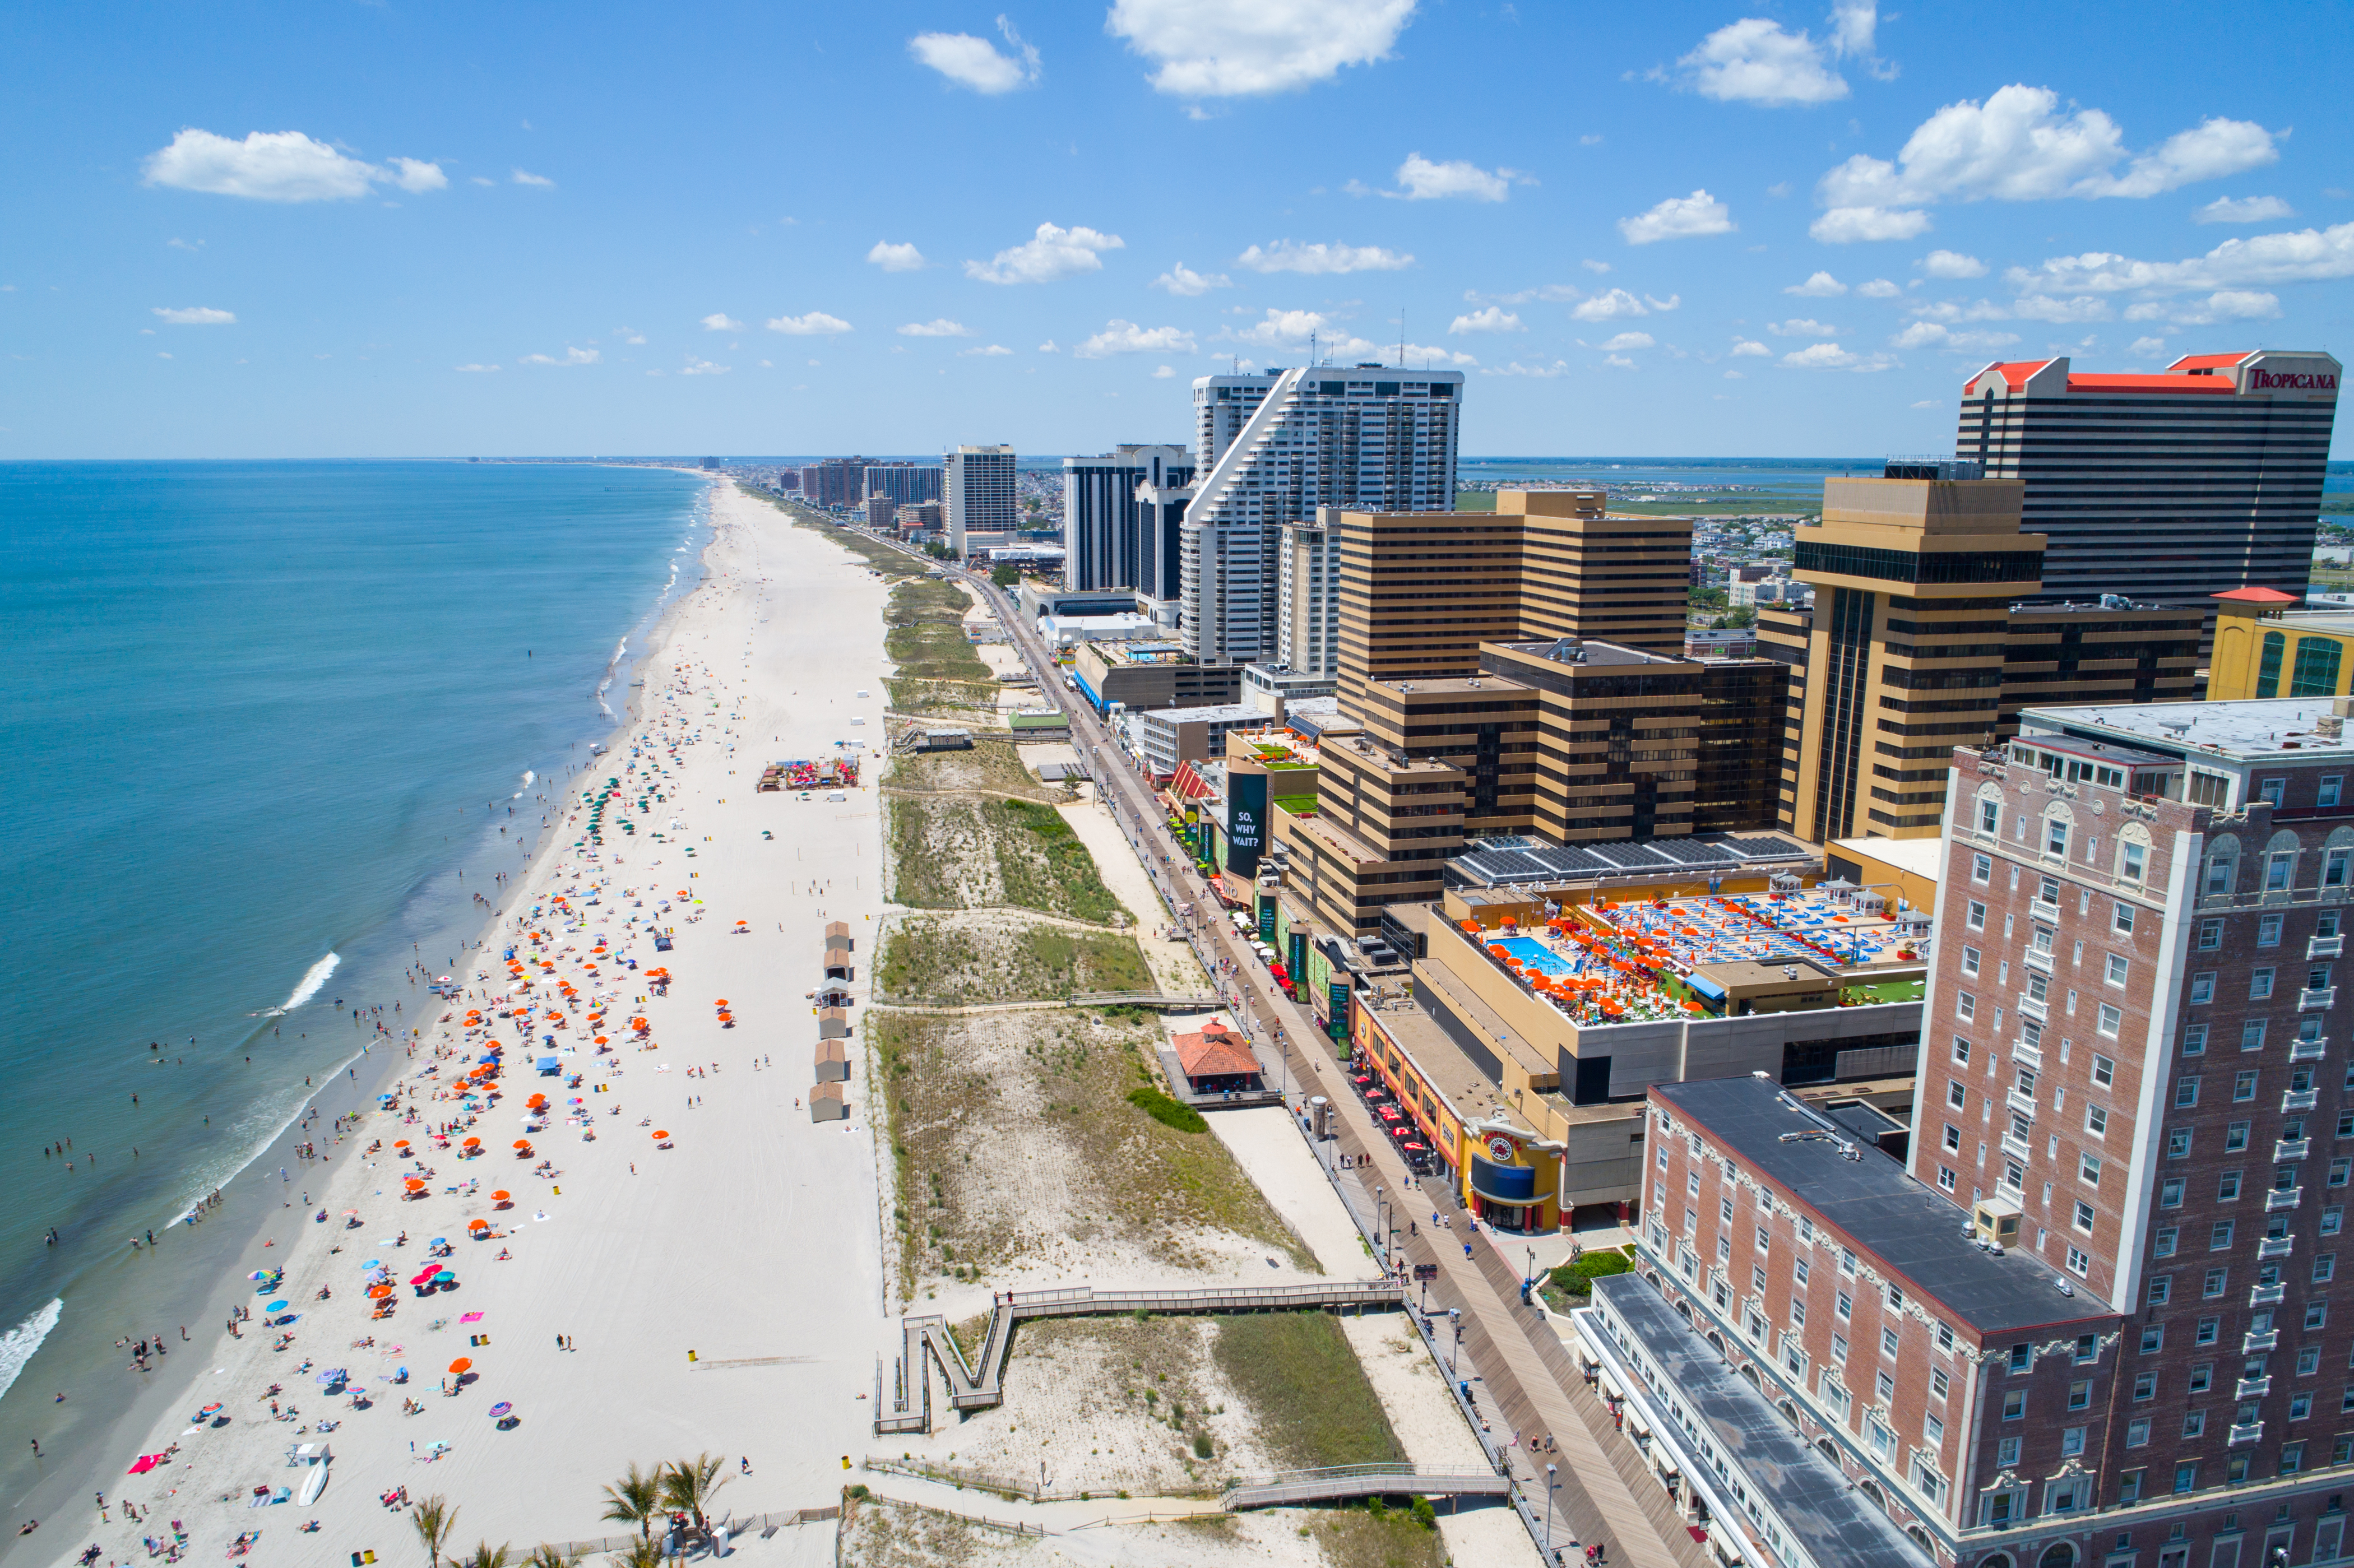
<point>1996,1560</point>
<point>2058,1554</point>
<point>2315,674</point>
<point>1871,1490</point>
<point>2220,858</point>
<point>2268,667</point>
<point>1830,1450</point>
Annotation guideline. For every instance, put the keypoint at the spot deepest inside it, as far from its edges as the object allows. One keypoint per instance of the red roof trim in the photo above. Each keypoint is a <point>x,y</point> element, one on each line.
<point>2256,596</point>
<point>2193,384</point>
<point>2208,361</point>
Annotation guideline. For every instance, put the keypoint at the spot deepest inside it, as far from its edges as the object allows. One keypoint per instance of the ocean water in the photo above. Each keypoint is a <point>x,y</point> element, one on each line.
<point>263,724</point>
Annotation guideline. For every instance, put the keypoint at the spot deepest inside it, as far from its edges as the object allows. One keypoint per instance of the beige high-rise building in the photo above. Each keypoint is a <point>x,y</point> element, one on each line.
<point>1419,592</point>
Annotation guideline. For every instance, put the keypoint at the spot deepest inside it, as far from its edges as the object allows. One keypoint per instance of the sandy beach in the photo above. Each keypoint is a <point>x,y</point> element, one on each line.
<point>720,1294</point>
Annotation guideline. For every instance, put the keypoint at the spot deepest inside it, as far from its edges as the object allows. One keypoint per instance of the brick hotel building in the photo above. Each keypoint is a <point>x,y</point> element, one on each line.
<point>2093,1318</point>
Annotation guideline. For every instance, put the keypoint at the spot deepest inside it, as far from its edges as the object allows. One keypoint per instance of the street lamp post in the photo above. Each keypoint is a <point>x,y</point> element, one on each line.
<point>1552,1480</point>
<point>1381,1220</point>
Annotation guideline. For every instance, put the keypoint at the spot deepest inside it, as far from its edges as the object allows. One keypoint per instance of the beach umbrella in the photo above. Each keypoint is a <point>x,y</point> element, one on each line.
<point>500,1196</point>
<point>499,1409</point>
<point>523,1143</point>
<point>275,1306</point>
<point>210,1410</point>
<point>373,1263</point>
<point>379,1292</point>
<point>478,1225</point>
<point>444,1277</point>
<point>660,1134</point>
<point>472,1143</point>
<point>400,1143</point>
<point>259,1274</point>
<point>461,1365</point>
<point>144,1462</point>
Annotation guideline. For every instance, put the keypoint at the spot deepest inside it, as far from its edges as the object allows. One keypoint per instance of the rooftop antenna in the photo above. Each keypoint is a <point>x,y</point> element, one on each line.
<point>1311,348</point>
<point>1401,338</point>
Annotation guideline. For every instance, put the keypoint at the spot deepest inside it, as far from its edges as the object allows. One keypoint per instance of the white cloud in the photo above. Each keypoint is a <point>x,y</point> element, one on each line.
<point>1950,311</point>
<point>1126,337</point>
<point>2223,305</point>
<point>484,180</point>
<point>2019,146</point>
<point>1048,347</point>
<point>571,356</point>
<point>1678,217</point>
<point>2298,257</point>
<point>1290,330</point>
<point>1558,292</point>
<point>161,353</point>
<point>2050,308</point>
<point>1745,348</point>
<point>1625,340</point>
<point>1821,286</point>
<point>1879,288</point>
<point>1929,334</point>
<point>1183,280</point>
<point>1621,361</point>
<point>197,315</point>
<point>1543,372</point>
<point>1732,375</point>
<point>974,62</point>
<point>1050,256</point>
<point>416,175</point>
<point>1225,48</point>
<point>1422,180</point>
<point>895,257</point>
<point>2147,348</point>
<point>1929,403</point>
<point>525,177</point>
<point>1163,373</point>
<point>939,326</point>
<point>702,367</point>
<point>1951,264</point>
<point>1831,357</point>
<point>817,323</point>
<point>1612,305</point>
<point>1848,225</point>
<point>1425,354</point>
<point>1492,319</point>
<point>720,320</point>
<point>987,350</point>
<point>1598,267</point>
<point>278,165</point>
<point>478,369</point>
<point>1755,61</point>
<point>1799,327</point>
<point>2244,209</point>
<point>1286,256</point>
<point>628,334</point>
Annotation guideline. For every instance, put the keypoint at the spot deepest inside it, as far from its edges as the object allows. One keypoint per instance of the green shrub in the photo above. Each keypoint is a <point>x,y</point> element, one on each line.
<point>1425,1515</point>
<point>1166,1111</point>
<point>1577,1278</point>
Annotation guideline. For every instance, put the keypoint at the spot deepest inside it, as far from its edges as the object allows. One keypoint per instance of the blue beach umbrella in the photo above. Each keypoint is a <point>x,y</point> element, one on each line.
<point>275,1306</point>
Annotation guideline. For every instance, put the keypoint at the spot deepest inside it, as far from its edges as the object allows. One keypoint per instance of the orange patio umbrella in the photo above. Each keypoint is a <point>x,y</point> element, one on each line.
<point>478,1225</point>
<point>523,1143</point>
<point>599,1040</point>
<point>660,1134</point>
<point>400,1143</point>
<point>461,1365</point>
<point>472,1143</point>
<point>500,1196</point>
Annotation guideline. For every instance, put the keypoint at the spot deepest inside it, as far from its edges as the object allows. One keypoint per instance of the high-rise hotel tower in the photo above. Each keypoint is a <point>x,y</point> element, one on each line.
<point>1269,451</point>
<point>2168,488</point>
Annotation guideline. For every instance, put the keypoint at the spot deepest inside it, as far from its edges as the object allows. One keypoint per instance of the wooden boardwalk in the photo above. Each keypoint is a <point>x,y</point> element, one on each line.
<point>1299,1487</point>
<point>979,1386</point>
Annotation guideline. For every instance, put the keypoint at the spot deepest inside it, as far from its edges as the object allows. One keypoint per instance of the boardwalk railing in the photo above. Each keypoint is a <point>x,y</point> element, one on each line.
<point>1362,1480</point>
<point>978,1385</point>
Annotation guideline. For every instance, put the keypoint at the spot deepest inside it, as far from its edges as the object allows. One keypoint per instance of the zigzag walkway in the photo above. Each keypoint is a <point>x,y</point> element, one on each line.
<point>1362,1481</point>
<point>981,1386</point>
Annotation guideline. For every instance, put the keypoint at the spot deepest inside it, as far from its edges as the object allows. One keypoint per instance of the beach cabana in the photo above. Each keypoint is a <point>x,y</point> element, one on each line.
<point>832,1062</point>
<point>833,1023</point>
<point>827,1103</point>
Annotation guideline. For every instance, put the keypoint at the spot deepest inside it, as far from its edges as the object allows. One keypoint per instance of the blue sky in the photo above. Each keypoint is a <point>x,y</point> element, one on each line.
<point>347,230</point>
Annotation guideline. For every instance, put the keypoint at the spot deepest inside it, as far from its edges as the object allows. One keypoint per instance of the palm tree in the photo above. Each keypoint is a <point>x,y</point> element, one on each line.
<point>547,1556</point>
<point>486,1556</point>
<point>689,1483</point>
<point>642,1553</point>
<point>434,1518</point>
<point>635,1499</point>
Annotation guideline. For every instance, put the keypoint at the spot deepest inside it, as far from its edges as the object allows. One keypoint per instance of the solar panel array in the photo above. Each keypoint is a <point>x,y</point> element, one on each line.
<point>1514,867</point>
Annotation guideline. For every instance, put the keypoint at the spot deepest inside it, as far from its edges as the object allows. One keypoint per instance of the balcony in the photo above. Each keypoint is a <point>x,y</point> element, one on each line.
<point>2291,1149</point>
<point>2278,1199</point>
<point>2248,1433</point>
<point>2034,1009</point>
<point>2023,1104</point>
<point>2037,959</point>
<point>2253,1388</point>
<point>2017,1147</point>
<point>2298,1100</point>
<point>2267,1340</point>
<point>2266,1295</point>
<point>2315,1001</point>
<point>2325,947</point>
<point>2028,1056</point>
<point>2276,1246</point>
<point>2307,1050</point>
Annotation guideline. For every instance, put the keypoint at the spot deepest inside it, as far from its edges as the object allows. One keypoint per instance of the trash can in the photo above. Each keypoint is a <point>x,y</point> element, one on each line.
<point>1319,1113</point>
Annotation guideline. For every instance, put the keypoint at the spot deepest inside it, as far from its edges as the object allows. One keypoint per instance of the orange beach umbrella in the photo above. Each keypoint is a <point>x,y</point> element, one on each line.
<point>523,1143</point>
<point>461,1365</point>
